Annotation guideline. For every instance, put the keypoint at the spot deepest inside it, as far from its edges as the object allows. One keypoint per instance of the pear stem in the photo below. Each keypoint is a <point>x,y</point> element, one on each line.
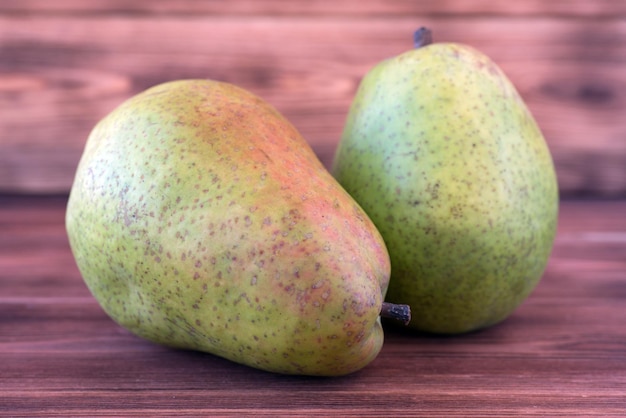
<point>422,37</point>
<point>396,311</point>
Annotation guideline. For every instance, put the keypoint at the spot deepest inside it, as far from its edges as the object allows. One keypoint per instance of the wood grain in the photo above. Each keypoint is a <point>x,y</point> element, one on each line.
<point>562,353</point>
<point>596,8</point>
<point>61,72</point>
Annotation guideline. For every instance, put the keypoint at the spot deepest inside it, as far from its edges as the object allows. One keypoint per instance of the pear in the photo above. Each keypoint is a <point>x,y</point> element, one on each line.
<point>444,156</point>
<point>200,219</point>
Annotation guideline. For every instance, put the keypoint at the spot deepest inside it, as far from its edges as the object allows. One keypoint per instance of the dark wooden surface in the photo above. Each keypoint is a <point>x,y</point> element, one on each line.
<point>65,63</point>
<point>562,353</point>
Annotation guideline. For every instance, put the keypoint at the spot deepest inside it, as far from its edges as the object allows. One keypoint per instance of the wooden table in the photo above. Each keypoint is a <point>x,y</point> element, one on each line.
<point>563,352</point>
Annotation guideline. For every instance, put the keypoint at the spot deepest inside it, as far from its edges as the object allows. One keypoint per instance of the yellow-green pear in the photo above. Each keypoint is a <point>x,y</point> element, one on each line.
<point>444,156</point>
<point>201,219</point>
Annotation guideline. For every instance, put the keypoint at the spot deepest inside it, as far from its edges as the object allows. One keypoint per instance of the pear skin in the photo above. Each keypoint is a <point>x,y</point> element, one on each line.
<point>201,219</point>
<point>444,156</point>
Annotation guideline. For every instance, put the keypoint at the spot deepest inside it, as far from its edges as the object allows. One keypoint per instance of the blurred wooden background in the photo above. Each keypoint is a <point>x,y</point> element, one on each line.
<point>65,63</point>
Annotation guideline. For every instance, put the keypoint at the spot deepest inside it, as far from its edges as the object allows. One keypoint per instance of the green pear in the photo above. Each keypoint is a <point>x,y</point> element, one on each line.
<point>446,159</point>
<point>201,219</point>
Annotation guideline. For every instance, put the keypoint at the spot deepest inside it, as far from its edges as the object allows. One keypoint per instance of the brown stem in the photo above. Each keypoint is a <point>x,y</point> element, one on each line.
<point>397,312</point>
<point>422,37</point>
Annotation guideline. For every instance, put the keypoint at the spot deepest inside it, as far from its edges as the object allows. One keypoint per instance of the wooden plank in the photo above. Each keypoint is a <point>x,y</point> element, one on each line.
<point>562,353</point>
<point>34,246</point>
<point>59,75</point>
<point>584,8</point>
